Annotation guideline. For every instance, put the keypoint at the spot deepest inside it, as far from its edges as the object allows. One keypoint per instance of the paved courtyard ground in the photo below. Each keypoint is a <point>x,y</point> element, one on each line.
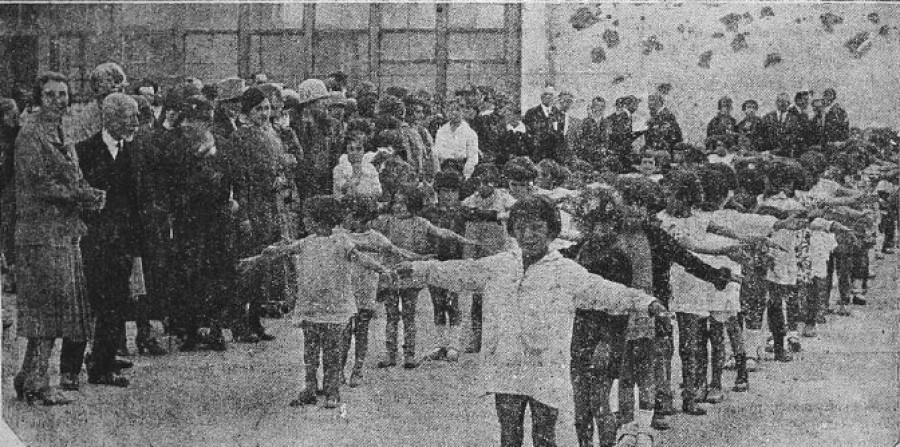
<point>842,390</point>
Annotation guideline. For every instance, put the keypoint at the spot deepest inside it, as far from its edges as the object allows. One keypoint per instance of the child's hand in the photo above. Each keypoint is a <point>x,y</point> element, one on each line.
<point>404,270</point>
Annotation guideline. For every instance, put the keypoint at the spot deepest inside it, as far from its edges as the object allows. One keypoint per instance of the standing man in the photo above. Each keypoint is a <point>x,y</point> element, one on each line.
<point>592,138</point>
<point>832,124</point>
<point>775,125</point>
<point>570,126</point>
<point>113,244</point>
<point>543,123</point>
<point>621,133</point>
<point>798,126</point>
<point>663,131</point>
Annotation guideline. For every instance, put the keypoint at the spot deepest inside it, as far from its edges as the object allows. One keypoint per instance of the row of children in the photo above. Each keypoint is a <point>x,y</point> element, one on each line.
<point>753,222</point>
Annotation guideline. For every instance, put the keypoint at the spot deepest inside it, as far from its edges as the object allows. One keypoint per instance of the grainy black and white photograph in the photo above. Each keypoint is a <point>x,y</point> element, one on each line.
<point>328,224</point>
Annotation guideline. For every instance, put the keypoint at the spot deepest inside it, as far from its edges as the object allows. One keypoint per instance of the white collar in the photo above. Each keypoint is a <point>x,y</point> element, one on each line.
<point>486,112</point>
<point>111,143</point>
<point>547,110</point>
<point>520,128</point>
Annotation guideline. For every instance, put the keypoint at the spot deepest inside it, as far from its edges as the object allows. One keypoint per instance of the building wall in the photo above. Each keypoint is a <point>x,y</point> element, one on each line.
<point>438,47</point>
<point>561,41</point>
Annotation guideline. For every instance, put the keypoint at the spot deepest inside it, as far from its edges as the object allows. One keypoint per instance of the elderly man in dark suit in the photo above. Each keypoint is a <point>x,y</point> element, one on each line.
<point>544,123</point>
<point>113,244</point>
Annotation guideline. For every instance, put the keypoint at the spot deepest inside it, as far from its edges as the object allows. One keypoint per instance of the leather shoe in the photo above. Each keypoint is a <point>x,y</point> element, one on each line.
<point>110,379</point>
<point>124,364</point>
<point>69,382</point>
<point>693,409</point>
<point>266,336</point>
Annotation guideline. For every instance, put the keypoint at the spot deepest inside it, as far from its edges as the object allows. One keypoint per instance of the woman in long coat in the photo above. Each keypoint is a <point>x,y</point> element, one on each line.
<point>202,224</point>
<point>50,195</point>
<point>259,174</point>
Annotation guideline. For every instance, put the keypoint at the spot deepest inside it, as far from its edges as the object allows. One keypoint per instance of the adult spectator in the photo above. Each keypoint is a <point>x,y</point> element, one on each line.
<point>113,245</point>
<point>592,136</point>
<point>798,126</point>
<point>832,124</point>
<point>621,133</point>
<point>228,108</point>
<point>723,124</point>
<point>105,79</point>
<point>663,131</point>
<point>456,144</point>
<point>355,175</point>
<point>487,125</point>
<point>513,140</point>
<point>51,195</point>
<point>259,172</point>
<point>779,140</point>
<point>543,123</point>
<point>314,129</point>
<point>752,129</point>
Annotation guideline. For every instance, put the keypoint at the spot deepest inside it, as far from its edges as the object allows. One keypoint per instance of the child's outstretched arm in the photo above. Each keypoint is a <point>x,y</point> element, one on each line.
<point>443,233</point>
<point>379,243</point>
<point>367,261</point>
<point>461,275</point>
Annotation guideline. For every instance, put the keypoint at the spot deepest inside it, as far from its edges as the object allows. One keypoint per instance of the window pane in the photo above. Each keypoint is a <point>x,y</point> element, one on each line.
<point>408,16</point>
<point>209,16</point>
<point>211,57</point>
<point>477,46</point>
<point>476,15</point>
<point>407,46</point>
<point>462,74</point>
<point>273,16</point>
<point>280,57</point>
<point>409,76</point>
<point>341,51</point>
<point>342,15</point>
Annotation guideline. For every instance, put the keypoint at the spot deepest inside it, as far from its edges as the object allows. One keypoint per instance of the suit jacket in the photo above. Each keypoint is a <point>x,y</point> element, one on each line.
<point>663,131</point>
<point>592,140</point>
<point>120,221</point>
<point>621,135</point>
<point>488,129</point>
<point>780,140</point>
<point>833,127</point>
<point>754,129</point>
<point>547,132</point>
<point>721,126</point>
<point>791,137</point>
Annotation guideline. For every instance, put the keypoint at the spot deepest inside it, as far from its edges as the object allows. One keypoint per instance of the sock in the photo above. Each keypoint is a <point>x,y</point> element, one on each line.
<point>752,338</point>
<point>453,335</point>
<point>643,419</point>
<point>441,337</point>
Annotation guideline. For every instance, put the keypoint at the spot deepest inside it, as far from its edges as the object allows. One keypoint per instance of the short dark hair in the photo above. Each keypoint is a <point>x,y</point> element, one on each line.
<point>414,199</point>
<point>325,210</point>
<point>48,76</point>
<point>520,168</point>
<point>538,207</point>
<point>748,103</point>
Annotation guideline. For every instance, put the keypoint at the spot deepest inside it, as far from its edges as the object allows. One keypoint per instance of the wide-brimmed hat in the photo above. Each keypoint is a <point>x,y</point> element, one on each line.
<point>231,89</point>
<point>311,90</point>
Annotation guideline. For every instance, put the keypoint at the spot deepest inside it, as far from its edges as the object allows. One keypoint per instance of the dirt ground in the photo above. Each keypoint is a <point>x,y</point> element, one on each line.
<point>842,390</point>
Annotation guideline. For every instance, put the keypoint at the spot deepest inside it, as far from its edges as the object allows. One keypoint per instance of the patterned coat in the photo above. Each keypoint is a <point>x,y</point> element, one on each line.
<point>50,191</point>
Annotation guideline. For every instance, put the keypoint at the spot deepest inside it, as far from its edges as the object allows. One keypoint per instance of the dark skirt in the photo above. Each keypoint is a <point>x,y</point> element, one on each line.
<point>51,299</point>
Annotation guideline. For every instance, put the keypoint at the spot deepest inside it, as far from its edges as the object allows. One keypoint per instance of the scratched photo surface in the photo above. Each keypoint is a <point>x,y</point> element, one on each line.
<point>449,224</point>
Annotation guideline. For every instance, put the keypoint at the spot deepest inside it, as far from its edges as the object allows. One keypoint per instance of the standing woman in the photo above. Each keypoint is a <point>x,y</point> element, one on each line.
<point>51,193</point>
<point>259,170</point>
